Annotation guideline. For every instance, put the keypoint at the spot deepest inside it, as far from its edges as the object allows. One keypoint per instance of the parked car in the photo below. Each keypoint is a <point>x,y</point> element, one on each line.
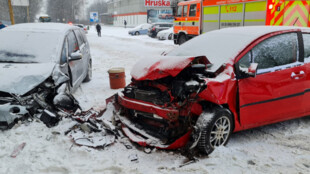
<point>165,16</point>
<point>165,34</point>
<point>83,27</point>
<point>41,64</point>
<point>221,82</point>
<point>140,29</point>
<point>157,27</point>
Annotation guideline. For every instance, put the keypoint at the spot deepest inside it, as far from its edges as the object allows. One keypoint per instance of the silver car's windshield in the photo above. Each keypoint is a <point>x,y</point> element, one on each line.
<point>28,46</point>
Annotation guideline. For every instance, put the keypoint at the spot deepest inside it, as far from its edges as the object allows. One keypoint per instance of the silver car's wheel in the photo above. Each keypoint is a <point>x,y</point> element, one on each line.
<point>170,37</point>
<point>216,128</point>
<point>137,33</point>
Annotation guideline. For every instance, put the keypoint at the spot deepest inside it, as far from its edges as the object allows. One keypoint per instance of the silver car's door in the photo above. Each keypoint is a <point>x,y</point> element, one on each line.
<point>84,50</point>
<point>76,66</point>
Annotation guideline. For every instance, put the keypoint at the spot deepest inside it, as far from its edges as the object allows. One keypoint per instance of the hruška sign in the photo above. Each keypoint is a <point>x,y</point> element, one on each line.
<point>157,3</point>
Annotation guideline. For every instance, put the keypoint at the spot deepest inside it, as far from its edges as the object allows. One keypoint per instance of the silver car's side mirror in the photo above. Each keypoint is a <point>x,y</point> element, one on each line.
<point>75,56</point>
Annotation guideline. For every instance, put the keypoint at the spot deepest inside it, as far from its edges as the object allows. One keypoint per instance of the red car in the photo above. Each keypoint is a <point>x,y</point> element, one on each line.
<point>221,82</point>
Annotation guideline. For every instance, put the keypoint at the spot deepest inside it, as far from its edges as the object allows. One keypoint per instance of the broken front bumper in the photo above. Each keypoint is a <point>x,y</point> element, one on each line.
<point>141,136</point>
<point>169,114</point>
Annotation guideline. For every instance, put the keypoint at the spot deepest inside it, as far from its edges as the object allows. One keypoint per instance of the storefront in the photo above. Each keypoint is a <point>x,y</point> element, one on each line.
<point>136,12</point>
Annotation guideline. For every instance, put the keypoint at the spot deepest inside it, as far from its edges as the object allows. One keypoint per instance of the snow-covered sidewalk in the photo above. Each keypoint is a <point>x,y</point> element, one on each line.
<point>277,148</point>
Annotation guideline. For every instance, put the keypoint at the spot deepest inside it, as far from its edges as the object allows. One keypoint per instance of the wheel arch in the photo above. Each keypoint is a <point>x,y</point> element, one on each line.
<point>209,106</point>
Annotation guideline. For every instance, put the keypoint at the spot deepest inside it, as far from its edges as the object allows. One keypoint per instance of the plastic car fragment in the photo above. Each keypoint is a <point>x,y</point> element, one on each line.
<point>93,131</point>
<point>9,114</point>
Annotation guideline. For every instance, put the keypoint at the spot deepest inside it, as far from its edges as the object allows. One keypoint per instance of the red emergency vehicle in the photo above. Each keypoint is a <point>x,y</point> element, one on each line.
<point>199,16</point>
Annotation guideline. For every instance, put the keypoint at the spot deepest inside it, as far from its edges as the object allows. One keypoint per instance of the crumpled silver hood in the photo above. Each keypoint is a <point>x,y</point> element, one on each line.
<point>20,78</point>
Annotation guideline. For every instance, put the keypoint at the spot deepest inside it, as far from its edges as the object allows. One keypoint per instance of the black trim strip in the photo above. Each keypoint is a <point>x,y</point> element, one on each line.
<point>275,99</point>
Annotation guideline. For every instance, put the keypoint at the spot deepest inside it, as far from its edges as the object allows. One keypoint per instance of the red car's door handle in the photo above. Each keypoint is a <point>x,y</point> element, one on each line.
<point>297,76</point>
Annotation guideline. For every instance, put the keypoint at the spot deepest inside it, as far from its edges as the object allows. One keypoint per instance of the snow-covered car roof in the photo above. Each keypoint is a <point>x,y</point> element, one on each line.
<point>141,25</point>
<point>220,46</point>
<point>156,23</point>
<point>41,27</point>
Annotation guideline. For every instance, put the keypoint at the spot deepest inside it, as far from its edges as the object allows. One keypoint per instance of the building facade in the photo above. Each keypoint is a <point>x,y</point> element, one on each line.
<point>136,12</point>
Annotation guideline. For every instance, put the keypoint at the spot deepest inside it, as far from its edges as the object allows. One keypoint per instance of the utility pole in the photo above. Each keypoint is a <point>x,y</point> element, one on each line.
<point>28,17</point>
<point>11,12</point>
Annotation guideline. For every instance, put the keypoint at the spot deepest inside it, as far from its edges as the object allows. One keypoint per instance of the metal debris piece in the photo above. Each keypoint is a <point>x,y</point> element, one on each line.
<point>147,150</point>
<point>189,162</point>
<point>251,162</point>
<point>133,157</point>
<point>84,116</point>
<point>49,118</point>
<point>92,140</point>
<point>85,128</point>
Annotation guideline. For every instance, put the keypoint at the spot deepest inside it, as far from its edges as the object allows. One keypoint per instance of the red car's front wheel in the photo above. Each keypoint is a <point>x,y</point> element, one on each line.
<point>216,128</point>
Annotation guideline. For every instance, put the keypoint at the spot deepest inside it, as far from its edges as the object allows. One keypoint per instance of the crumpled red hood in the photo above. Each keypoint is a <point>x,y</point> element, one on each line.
<point>156,68</point>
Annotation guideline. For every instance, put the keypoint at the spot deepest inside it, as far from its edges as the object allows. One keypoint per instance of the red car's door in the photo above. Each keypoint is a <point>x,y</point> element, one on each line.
<point>306,43</point>
<point>277,92</point>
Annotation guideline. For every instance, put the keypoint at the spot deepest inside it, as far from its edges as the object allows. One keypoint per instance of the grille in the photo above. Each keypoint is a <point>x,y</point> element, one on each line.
<point>151,95</point>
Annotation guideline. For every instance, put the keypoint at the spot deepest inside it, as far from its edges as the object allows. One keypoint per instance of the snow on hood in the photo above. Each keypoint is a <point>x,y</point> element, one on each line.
<point>21,78</point>
<point>163,66</point>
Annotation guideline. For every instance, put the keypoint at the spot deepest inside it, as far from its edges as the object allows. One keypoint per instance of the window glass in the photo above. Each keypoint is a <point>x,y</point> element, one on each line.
<point>79,37</point>
<point>185,11</point>
<point>306,38</point>
<point>63,58</point>
<point>167,25</point>
<point>276,51</point>
<point>192,10</point>
<point>72,43</point>
<point>244,62</point>
<point>179,12</point>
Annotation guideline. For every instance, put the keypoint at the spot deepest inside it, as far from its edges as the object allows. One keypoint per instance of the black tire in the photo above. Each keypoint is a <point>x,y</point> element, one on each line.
<point>182,39</point>
<point>213,128</point>
<point>137,33</point>
<point>89,72</point>
<point>170,37</point>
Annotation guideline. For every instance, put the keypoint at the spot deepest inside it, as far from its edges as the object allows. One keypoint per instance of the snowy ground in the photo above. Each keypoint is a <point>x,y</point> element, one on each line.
<point>277,148</point>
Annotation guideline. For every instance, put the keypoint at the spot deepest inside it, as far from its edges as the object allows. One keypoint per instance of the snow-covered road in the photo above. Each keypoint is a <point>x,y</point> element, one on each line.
<point>277,148</point>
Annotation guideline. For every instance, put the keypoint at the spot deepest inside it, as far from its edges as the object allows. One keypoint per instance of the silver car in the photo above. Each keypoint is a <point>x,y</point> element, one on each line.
<point>41,64</point>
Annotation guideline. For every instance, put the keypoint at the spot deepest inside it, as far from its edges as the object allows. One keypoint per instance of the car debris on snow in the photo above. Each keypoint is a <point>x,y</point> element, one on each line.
<point>92,130</point>
<point>9,114</point>
<point>17,150</point>
<point>133,157</point>
<point>189,162</point>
